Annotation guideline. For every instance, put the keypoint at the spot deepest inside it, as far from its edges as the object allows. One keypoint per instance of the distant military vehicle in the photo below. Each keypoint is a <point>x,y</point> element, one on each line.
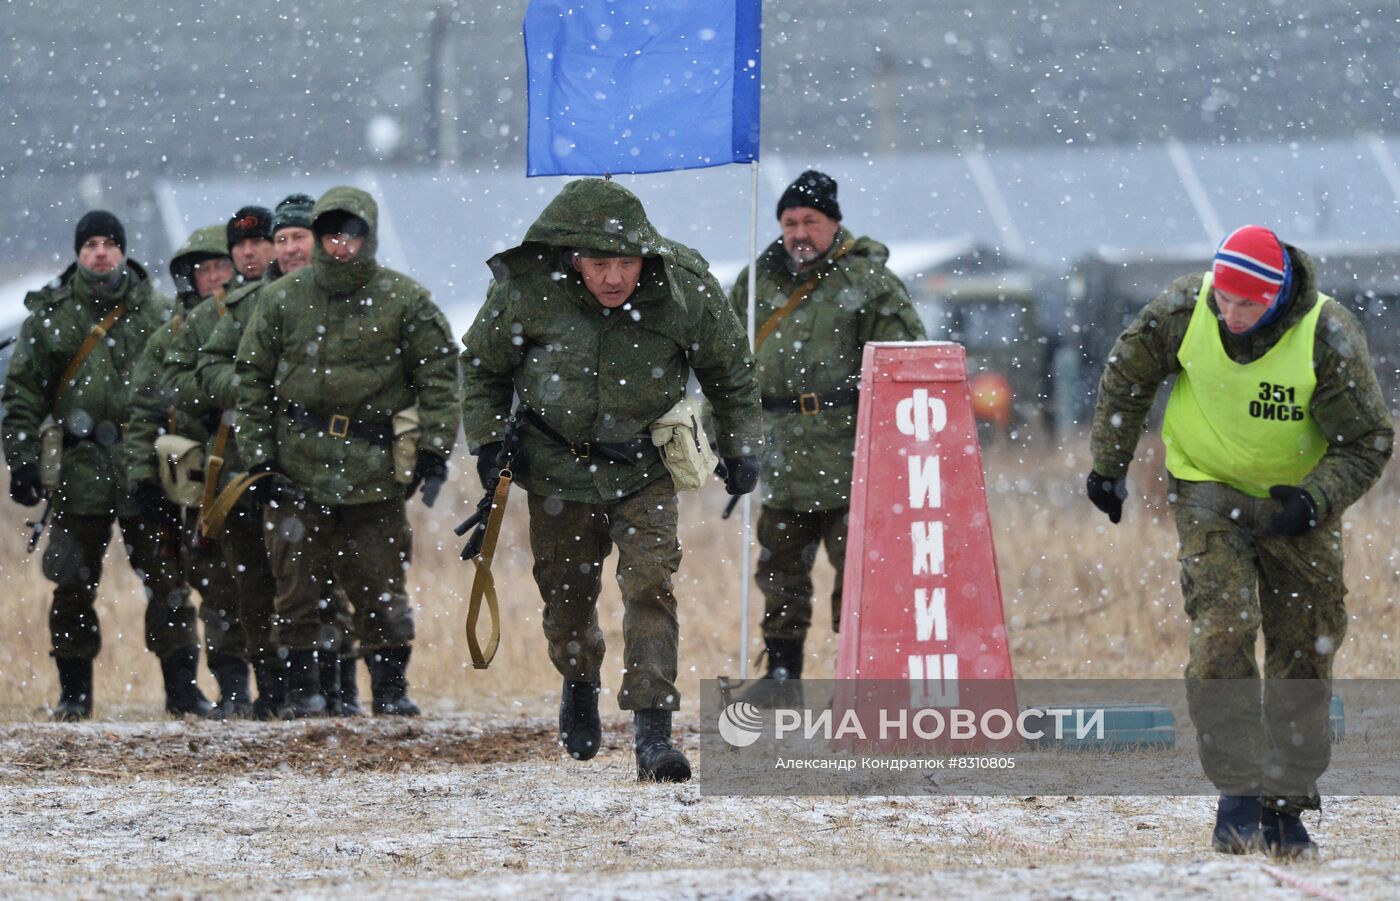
<point>1005,312</point>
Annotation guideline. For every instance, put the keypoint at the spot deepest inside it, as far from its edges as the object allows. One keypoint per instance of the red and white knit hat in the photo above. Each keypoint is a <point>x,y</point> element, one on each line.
<point>1251,263</point>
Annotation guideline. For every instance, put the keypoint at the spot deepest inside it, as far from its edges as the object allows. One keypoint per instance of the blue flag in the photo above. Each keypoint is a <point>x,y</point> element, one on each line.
<point>623,86</point>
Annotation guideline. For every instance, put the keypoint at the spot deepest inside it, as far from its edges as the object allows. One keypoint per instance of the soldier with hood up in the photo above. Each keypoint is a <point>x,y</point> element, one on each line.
<point>334,354</point>
<point>822,294</point>
<point>596,321</point>
<point>72,367</point>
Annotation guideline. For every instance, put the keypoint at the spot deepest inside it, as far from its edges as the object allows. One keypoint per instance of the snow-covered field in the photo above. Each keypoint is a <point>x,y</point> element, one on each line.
<point>488,807</point>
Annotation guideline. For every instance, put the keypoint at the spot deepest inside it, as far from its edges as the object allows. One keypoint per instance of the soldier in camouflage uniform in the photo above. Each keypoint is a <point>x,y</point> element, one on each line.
<point>91,406</point>
<point>809,362</point>
<point>200,268</point>
<point>596,322</point>
<point>209,354</point>
<point>250,243</point>
<point>1275,426</point>
<point>337,350</point>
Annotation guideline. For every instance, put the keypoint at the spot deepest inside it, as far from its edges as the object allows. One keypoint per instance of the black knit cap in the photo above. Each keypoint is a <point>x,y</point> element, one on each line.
<point>99,224</point>
<point>293,212</point>
<point>811,189</point>
<point>249,222</point>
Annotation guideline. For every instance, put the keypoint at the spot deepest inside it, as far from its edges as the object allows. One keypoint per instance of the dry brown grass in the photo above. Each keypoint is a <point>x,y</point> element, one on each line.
<point>1081,597</point>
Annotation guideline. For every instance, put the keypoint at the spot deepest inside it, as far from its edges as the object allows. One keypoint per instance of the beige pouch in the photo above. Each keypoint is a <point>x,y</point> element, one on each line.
<point>684,448</point>
<point>51,454</point>
<point>407,428</point>
<point>181,462</point>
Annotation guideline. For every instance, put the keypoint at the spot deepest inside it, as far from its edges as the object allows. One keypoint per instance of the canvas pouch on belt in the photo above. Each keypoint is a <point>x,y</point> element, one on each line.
<point>181,459</point>
<point>685,450</point>
<point>50,454</point>
<point>407,428</point>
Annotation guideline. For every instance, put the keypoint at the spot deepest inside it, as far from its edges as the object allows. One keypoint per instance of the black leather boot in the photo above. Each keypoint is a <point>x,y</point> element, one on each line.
<point>231,673</point>
<point>304,697</point>
<point>388,682</point>
<point>580,729</point>
<point>329,664</point>
<point>349,688</point>
<point>1237,825</point>
<point>657,759</point>
<point>182,694</point>
<point>271,675</point>
<point>74,690</point>
<point>1283,835</point>
<point>781,685</point>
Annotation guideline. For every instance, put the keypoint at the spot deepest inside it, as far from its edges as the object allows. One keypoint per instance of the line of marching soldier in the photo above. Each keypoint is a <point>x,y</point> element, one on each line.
<point>256,439</point>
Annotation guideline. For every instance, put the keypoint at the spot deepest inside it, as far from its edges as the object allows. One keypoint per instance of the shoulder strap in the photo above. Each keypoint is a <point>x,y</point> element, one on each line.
<point>794,300</point>
<point>484,583</point>
<point>95,335</point>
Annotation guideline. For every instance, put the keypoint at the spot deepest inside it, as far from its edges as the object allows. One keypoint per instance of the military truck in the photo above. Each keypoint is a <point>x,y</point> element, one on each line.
<point>1006,312</point>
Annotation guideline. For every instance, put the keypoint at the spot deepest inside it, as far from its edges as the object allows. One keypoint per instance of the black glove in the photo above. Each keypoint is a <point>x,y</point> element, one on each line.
<point>1299,512</point>
<point>25,488</point>
<point>1108,494</point>
<point>153,506</point>
<point>277,489</point>
<point>430,472</point>
<point>740,474</point>
<point>486,468</point>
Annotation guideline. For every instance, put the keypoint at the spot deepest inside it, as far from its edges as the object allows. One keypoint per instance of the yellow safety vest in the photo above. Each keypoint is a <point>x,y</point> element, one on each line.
<point>1246,425</point>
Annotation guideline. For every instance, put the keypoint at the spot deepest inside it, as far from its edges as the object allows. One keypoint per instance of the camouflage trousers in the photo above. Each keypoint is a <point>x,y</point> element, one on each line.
<point>788,541</point>
<point>73,562</point>
<point>1274,743</point>
<point>570,541</point>
<point>245,552</point>
<point>207,573</point>
<point>367,546</point>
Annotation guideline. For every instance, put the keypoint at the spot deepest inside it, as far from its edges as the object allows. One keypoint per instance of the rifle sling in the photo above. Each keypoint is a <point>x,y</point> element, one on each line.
<point>213,516</point>
<point>94,337</point>
<point>795,299</point>
<point>213,467</point>
<point>484,584</point>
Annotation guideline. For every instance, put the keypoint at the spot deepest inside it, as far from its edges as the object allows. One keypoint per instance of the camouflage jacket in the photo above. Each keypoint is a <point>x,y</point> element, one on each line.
<point>97,406</point>
<point>817,349</point>
<point>216,355</point>
<point>600,375</point>
<point>349,339</point>
<point>1347,403</point>
<point>155,403</point>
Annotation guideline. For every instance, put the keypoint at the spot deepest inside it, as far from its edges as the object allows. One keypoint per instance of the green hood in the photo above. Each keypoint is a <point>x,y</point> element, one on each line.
<point>594,214</point>
<point>331,274</point>
<point>600,215</point>
<point>202,244</point>
<point>209,241</point>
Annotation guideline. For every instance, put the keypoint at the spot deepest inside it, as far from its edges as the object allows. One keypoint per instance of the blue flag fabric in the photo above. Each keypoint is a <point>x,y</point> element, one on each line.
<point>625,86</point>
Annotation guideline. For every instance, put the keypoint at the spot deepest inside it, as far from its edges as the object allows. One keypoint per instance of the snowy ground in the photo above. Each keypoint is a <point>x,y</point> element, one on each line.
<point>487,807</point>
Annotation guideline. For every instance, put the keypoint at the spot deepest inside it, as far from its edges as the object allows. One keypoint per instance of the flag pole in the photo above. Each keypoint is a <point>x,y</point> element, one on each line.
<point>744,582</point>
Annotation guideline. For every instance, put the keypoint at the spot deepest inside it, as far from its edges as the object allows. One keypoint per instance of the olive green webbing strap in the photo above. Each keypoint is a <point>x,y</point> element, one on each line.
<point>213,515</point>
<point>794,301</point>
<point>484,584</point>
<point>94,337</point>
<point>213,468</point>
